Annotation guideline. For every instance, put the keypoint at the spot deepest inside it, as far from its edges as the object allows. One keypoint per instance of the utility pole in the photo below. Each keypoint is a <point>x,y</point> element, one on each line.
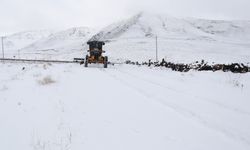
<point>2,47</point>
<point>156,48</point>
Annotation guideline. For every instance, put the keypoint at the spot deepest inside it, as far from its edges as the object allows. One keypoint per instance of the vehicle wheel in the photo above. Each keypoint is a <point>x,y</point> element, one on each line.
<point>105,62</point>
<point>86,61</point>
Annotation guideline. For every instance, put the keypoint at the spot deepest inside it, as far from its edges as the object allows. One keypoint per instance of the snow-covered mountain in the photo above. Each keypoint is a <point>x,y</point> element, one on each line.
<point>64,43</point>
<point>179,39</point>
<point>145,25</point>
<point>14,42</point>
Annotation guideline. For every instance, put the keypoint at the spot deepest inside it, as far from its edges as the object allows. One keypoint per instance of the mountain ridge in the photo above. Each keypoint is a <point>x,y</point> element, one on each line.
<point>179,39</point>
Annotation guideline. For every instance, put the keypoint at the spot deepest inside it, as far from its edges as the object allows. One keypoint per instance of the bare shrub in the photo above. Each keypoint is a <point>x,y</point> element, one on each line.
<point>46,66</point>
<point>236,82</point>
<point>46,81</point>
<point>4,88</point>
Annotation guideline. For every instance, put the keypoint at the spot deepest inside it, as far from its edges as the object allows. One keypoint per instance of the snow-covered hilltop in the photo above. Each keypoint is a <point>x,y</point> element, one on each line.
<point>179,40</point>
<point>151,25</point>
<point>19,40</point>
<point>46,43</point>
<point>60,44</point>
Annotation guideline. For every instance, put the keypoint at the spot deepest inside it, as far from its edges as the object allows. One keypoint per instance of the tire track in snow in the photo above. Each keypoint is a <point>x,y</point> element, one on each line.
<point>189,114</point>
<point>211,101</point>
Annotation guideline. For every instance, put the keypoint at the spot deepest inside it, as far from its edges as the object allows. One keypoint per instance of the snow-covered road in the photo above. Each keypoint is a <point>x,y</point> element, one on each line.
<point>68,107</point>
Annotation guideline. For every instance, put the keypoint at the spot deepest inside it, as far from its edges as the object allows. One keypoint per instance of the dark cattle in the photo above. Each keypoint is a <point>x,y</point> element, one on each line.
<point>202,66</point>
<point>205,68</point>
<point>163,62</point>
<point>225,68</point>
<point>217,67</point>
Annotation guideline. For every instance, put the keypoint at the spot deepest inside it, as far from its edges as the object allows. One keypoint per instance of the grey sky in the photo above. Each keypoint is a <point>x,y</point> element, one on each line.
<point>20,15</point>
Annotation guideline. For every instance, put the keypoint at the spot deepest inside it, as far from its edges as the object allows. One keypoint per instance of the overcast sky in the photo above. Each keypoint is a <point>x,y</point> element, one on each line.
<point>21,15</point>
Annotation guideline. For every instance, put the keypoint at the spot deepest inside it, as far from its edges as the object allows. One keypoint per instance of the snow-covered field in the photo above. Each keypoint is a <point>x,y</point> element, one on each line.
<point>69,107</point>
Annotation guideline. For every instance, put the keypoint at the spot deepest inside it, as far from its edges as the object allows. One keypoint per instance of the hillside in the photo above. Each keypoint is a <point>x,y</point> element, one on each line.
<point>17,41</point>
<point>179,39</point>
<point>67,43</point>
<point>46,44</point>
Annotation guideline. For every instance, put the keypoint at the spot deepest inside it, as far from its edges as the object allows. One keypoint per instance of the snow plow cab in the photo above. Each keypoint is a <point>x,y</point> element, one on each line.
<point>95,54</point>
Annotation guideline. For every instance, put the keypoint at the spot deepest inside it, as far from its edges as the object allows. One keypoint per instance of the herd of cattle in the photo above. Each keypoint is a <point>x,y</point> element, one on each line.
<point>199,66</point>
